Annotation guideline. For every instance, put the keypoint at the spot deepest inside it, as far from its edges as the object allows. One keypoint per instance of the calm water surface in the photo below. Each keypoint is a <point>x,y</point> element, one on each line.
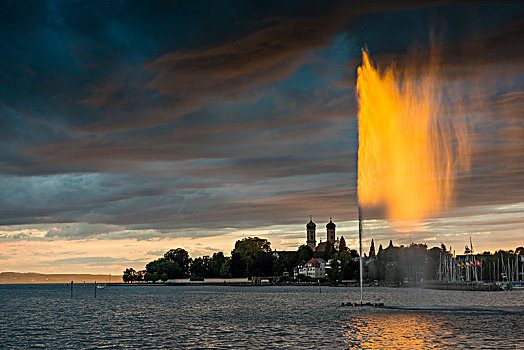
<point>216,317</point>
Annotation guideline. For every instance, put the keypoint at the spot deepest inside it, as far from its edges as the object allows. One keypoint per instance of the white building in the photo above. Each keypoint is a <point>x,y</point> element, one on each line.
<point>314,268</point>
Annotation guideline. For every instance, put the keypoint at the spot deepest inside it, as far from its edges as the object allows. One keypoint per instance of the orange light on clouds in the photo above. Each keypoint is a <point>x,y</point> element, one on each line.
<point>412,143</point>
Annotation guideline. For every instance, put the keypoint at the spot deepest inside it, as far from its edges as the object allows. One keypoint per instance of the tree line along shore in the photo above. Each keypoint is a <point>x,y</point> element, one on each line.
<point>252,257</point>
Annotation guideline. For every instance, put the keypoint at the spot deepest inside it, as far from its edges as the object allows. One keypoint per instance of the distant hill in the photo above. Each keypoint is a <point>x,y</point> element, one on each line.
<point>31,277</point>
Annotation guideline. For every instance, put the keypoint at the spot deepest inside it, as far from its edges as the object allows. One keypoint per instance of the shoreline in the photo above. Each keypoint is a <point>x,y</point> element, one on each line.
<point>465,286</point>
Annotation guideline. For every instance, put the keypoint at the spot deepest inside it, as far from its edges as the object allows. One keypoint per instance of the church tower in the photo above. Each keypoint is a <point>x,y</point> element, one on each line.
<point>310,229</point>
<point>330,231</point>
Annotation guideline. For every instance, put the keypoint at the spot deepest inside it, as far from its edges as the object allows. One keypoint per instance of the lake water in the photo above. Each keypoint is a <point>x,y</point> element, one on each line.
<point>216,317</point>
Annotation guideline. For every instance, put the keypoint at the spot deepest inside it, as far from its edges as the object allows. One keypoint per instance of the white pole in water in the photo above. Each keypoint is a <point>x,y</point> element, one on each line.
<point>360,244</point>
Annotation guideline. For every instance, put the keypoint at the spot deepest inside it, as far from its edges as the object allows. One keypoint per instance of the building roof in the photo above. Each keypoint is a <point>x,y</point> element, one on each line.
<point>311,224</point>
<point>316,262</point>
<point>330,224</point>
<point>321,247</point>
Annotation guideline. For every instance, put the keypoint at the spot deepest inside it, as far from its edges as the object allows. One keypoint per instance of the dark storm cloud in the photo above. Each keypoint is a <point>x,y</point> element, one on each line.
<point>179,116</point>
<point>185,80</point>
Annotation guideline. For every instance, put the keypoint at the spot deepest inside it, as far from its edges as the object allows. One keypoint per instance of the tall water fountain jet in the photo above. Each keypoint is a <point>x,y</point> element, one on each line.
<point>413,141</point>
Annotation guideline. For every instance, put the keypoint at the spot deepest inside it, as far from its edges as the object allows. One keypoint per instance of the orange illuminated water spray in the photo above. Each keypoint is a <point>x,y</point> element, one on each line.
<point>411,143</point>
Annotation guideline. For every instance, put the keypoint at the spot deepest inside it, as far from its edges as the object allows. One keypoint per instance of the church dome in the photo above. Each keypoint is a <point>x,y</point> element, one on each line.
<point>330,224</point>
<point>311,224</point>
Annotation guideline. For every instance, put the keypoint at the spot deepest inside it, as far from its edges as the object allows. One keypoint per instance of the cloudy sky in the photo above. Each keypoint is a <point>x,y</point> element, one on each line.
<point>129,128</point>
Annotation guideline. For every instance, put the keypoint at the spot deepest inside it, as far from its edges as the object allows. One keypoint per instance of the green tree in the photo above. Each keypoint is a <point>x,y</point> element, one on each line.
<point>334,273</point>
<point>249,247</point>
<point>217,261</point>
<point>254,254</point>
<point>343,267</point>
<point>284,263</point>
<point>128,275</point>
<point>237,267</point>
<point>163,277</point>
<point>162,265</point>
<point>224,269</point>
<point>329,251</point>
<point>198,269</point>
<point>181,257</point>
<point>349,267</point>
<point>304,253</point>
<point>148,276</point>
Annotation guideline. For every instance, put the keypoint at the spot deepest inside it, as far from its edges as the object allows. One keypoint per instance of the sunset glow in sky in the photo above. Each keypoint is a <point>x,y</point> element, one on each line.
<point>131,128</point>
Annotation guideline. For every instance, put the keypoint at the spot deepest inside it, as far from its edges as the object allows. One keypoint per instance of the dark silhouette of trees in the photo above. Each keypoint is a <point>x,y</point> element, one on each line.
<point>284,263</point>
<point>343,267</point>
<point>237,266</point>
<point>181,257</point>
<point>155,270</point>
<point>412,260</point>
<point>249,247</point>
<point>329,251</point>
<point>198,269</point>
<point>342,246</point>
<point>255,254</point>
<point>131,275</point>
<point>334,273</point>
<point>263,265</point>
<point>412,263</point>
<point>217,262</point>
<point>252,257</point>
<point>128,275</point>
<point>372,249</point>
<point>225,269</point>
<point>304,253</point>
<point>433,259</point>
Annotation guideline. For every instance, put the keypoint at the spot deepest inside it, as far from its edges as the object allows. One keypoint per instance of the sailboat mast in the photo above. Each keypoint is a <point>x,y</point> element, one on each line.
<point>472,261</point>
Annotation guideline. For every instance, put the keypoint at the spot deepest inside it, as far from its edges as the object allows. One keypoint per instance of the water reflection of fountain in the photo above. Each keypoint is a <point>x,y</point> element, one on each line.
<point>387,330</point>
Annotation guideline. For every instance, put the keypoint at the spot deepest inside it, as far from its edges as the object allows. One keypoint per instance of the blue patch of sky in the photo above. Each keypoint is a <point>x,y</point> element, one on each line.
<point>289,96</point>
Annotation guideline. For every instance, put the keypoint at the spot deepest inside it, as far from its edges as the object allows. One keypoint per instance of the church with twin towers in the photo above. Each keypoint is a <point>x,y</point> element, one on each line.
<point>331,240</point>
